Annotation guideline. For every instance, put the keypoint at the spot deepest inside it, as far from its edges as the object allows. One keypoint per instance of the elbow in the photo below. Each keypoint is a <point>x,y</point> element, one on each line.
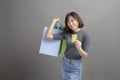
<point>85,56</point>
<point>49,36</point>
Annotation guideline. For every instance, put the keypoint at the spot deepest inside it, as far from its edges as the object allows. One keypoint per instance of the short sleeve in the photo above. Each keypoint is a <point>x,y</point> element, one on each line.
<point>58,36</point>
<point>86,42</point>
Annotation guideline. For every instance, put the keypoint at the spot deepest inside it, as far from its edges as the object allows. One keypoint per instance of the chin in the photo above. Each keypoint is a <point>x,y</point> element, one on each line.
<point>72,29</point>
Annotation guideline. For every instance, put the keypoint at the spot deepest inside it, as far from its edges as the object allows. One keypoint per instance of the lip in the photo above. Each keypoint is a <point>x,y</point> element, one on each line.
<point>72,27</point>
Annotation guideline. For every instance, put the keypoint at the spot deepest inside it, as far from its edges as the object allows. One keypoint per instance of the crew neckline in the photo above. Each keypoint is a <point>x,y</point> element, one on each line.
<point>76,32</point>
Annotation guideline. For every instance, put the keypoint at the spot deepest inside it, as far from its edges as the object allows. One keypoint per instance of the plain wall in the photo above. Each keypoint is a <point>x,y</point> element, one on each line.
<point>21,26</point>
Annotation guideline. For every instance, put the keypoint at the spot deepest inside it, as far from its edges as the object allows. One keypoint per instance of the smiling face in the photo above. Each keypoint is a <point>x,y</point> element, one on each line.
<point>73,24</point>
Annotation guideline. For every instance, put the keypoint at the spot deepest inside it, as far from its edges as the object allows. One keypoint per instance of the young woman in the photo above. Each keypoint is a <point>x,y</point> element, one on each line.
<point>75,50</point>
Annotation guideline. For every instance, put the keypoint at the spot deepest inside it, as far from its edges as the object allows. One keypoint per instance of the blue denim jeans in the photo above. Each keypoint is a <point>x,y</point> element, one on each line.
<point>71,69</point>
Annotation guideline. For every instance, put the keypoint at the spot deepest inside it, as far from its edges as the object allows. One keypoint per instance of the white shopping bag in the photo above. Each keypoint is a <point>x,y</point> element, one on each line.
<point>48,46</point>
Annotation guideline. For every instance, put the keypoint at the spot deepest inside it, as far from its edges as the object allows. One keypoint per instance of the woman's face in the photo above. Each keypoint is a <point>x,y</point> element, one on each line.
<point>72,23</point>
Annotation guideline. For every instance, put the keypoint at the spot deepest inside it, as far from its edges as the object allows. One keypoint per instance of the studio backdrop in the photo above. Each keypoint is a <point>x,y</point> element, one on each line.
<point>22,23</point>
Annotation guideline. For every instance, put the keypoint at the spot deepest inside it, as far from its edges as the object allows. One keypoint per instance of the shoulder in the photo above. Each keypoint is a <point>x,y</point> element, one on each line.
<point>85,33</point>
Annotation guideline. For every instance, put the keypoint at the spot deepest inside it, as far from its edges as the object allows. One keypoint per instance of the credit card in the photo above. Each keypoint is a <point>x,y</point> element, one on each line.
<point>74,37</point>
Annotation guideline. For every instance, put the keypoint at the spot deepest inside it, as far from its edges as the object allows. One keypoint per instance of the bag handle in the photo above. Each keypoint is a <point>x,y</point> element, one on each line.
<point>59,25</point>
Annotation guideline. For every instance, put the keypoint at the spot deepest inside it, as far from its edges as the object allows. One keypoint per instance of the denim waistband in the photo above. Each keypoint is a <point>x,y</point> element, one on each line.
<point>72,59</point>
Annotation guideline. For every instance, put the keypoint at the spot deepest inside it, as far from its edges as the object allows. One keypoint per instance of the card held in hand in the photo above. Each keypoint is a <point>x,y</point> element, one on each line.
<point>74,37</point>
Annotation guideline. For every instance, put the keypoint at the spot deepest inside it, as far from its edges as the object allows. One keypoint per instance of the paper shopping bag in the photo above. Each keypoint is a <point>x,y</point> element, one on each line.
<point>62,47</point>
<point>52,47</point>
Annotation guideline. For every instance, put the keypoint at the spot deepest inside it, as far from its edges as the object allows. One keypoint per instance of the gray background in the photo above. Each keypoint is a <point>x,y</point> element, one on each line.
<point>21,26</point>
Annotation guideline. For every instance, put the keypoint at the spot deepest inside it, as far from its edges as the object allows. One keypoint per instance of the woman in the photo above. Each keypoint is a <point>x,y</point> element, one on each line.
<point>76,47</point>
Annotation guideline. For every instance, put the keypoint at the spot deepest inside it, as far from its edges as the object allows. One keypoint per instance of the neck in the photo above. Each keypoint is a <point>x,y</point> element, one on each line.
<point>76,30</point>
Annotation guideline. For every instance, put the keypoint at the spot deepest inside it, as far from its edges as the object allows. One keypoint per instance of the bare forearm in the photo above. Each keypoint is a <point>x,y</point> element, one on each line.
<point>50,30</point>
<point>82,52</point>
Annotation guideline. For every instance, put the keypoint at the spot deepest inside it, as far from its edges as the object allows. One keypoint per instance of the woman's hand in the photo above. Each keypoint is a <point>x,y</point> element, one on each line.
<point>55,20</point>
<point>50,30</point>
<point>77,43</point>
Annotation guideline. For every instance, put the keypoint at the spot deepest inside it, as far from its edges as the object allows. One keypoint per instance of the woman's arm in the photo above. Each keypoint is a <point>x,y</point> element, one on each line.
<point>50,30</point>
<point>83,47</point>
<point>82,53</point>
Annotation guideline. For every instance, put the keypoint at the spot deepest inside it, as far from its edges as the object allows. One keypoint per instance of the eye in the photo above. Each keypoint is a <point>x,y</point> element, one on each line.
<point>72,20</point>
<point>69,22</point>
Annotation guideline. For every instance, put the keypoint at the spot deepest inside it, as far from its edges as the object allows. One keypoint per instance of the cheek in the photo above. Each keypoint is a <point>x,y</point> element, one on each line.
<point>76,23</point>
<point>68,25</point>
